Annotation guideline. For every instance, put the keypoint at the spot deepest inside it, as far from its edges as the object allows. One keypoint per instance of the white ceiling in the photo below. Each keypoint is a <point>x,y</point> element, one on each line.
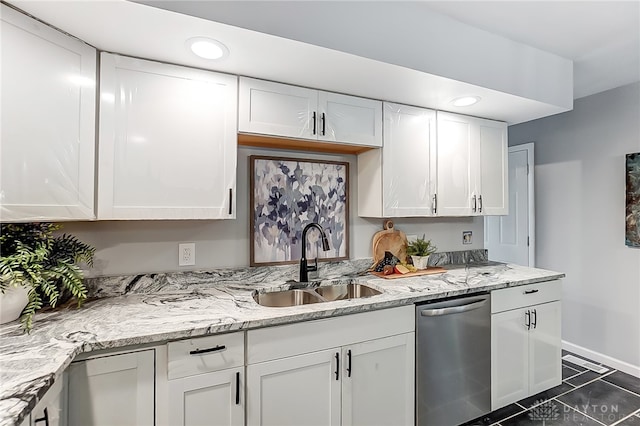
<point>601,37</point>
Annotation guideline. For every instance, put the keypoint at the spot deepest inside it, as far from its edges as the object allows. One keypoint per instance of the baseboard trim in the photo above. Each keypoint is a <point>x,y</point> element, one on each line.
<point>634,370</point>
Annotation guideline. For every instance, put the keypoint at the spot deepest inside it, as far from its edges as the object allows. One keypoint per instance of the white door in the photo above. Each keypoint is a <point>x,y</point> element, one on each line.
<point>47,137</point>
<point>349,119</point>
<point>408,161</point>
<point>378,382</point>
<point>510,238</point>
<point>455,165</point>
<point>509,358</point>
<point>113,390</point>
<point>493,183</point>
<point>277,109</point>
<point>167,141</point>
<point>296,391</point>
<point>545,347</point>
<point>207,399</point>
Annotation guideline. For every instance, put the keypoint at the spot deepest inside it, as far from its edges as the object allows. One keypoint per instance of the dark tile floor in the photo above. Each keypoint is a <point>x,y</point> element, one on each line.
<point>583,398</point>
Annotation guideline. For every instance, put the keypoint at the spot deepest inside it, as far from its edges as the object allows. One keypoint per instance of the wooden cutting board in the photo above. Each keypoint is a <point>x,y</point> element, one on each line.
<point>389,240</point>
<point>428,271</point>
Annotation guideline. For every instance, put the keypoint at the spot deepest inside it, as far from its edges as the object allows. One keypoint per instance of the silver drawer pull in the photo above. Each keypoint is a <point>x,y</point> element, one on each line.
<point>204,351</point>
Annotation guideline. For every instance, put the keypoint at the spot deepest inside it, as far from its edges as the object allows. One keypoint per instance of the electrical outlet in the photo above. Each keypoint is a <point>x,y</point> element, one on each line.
<point>186,254</point>
<point>411,238</point>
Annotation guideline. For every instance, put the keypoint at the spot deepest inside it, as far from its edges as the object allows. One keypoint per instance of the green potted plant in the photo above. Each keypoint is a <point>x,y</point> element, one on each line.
<point>419,250</point>
<point>40,267</point>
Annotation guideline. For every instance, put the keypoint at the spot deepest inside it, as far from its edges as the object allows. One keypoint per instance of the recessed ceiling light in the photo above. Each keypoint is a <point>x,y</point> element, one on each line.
<point>207,48</point>
<point>465,101</point>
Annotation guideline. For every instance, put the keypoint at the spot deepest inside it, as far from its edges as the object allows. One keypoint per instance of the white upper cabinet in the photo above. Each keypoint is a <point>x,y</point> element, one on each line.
<point>167,141</point>
<point>349,119</point>
<point>277,109</point>
<point>471,166</point>
<point>399,179</point>
<point>47,147</point>
<point>493,185</point>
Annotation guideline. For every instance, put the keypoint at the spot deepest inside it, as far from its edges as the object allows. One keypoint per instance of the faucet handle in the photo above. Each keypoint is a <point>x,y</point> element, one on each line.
<point>315,265</point>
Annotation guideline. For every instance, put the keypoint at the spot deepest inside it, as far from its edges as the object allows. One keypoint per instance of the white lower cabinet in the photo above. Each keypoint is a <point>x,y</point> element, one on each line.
<point>294,391</point>
<point>525,342</point>
<point>51,410</point>
<point>207,399</point>
<point>113,390</point>
<point>353,370</point>
<point>378,388</point>
<point>206,381</point>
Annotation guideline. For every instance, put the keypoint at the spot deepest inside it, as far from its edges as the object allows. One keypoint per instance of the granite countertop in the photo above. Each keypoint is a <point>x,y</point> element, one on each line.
<point>157,308</point>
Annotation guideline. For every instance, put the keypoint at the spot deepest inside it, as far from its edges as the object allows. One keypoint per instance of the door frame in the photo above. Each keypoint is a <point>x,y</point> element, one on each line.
<point>529,147</point>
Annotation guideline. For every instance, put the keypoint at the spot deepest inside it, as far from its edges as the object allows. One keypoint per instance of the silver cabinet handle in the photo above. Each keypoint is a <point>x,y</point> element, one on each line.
<point>452,310</point>
<point>475,204</point>
<point>434,208</point>
<point>527,316</point>
<point>480,204</point>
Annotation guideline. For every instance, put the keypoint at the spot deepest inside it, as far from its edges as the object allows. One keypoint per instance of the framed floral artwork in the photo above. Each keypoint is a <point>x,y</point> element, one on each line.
<point>286,194</point>
<point>632,219</point>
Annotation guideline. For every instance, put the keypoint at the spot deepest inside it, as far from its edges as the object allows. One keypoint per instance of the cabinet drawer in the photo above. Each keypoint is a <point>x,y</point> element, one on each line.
<point>294,339</point>
<point>204,354</point>
<point>526,295</point>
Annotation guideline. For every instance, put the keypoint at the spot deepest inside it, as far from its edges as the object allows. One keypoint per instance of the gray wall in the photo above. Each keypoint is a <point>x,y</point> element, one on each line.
<point>580,211</point>
<point>131,247</point>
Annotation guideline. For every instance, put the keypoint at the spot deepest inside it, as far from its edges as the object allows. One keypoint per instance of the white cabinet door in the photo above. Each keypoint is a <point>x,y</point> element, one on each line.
<point>277,109</point>
<point>509,358</point>
<point>455,165</point>
<point>349,119</point>
<point>296,391</point>
<point>472,157</point>
<point>113,390</point>
<point>208,399</point>
<point>545,347</point>
<point>167,141</point>
<point>47,135</point>
<point>399,179</point>
<point>378,382</point>
<point>408,158</point>
<point>52,408</point>
<point>492,186</point>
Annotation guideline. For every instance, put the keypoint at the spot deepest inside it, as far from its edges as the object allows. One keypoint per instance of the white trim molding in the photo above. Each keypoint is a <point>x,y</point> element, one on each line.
<point>634,370</point>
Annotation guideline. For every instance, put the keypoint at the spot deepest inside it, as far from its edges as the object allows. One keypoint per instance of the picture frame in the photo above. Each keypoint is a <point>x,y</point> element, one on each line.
<point>632,211</point>
<point>286,194</point>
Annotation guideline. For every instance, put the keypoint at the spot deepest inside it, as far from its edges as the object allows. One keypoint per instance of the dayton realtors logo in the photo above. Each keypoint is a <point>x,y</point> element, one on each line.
<point>545,412</point>
<point>550,412</point>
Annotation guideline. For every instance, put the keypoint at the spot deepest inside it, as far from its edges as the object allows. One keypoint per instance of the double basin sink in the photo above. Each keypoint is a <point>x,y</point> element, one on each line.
<point>305,296</point>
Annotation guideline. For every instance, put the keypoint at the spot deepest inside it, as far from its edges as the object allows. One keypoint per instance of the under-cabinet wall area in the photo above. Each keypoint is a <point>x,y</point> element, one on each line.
<point>130,247</point>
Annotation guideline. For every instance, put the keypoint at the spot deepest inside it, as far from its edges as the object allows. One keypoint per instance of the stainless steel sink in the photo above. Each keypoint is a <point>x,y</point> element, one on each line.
<point>306,296</point>
<point>346,291</point>
<point>287,298</point>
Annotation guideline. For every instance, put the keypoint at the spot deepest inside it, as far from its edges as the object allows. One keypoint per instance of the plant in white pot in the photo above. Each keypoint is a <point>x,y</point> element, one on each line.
<point>419,250</point>
<point>38,268</point>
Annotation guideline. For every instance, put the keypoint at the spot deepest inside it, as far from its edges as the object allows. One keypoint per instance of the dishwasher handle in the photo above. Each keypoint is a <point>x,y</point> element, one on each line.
<point>453,309</point>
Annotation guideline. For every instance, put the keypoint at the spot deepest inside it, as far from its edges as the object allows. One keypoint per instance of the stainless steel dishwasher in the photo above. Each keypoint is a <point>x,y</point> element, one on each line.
<point>453,360</point>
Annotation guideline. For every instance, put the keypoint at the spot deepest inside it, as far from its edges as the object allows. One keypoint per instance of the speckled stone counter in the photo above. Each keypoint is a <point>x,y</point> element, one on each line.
<point>156,308</point>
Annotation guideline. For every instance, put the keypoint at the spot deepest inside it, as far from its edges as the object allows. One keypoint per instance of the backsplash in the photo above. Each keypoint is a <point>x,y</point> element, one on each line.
<point>194,280</point>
